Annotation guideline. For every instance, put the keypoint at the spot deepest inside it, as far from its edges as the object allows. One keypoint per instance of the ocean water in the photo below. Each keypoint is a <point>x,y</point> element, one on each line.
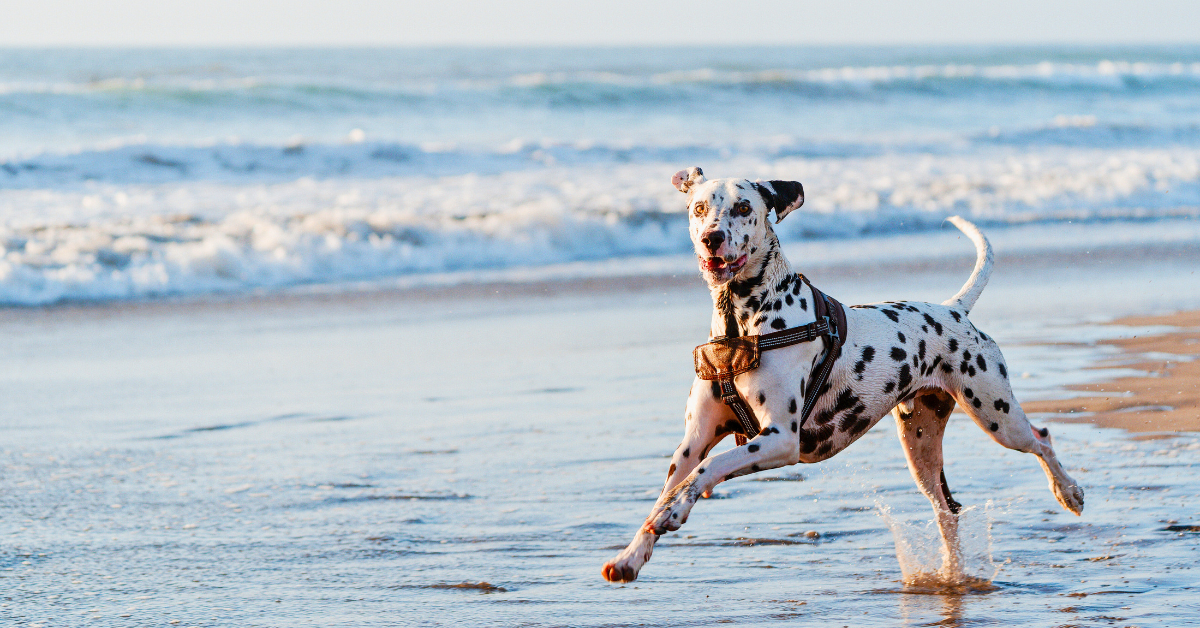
<point>148,173</point>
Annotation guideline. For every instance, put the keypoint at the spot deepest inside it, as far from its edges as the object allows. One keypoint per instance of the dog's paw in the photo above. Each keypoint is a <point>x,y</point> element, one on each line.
<point>1070,496</point>
<point>620,571</point>
<point>627,564</point>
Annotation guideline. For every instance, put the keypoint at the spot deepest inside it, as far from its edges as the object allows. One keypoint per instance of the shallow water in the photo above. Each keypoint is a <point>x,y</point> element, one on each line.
<point>289,463</point>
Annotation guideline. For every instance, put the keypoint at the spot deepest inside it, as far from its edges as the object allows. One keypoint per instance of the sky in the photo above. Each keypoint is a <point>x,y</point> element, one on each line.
<point>607,22</point>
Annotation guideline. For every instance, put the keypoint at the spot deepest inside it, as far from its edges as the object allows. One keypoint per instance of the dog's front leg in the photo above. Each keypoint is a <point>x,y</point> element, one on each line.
<point>772,448</point>
<point>707,420</point>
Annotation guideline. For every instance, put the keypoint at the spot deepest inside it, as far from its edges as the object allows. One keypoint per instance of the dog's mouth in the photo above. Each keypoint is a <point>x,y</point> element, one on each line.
<point>720,267</point>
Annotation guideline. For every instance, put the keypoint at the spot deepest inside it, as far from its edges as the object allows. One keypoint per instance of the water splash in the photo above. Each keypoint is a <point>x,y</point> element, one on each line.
<point>922,555</point>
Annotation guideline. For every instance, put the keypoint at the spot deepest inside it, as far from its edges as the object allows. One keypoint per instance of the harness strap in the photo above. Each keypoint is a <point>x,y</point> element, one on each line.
<point>830,325</point>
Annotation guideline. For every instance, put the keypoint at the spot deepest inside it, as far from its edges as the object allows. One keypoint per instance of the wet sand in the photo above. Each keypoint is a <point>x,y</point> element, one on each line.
<point>1162,398</point>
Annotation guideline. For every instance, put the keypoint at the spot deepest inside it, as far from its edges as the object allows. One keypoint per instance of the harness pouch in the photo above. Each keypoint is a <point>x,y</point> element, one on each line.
<point>725,357</point>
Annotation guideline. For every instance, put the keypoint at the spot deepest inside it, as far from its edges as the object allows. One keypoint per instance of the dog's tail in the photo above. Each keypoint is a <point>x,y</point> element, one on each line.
<point>971,290</point>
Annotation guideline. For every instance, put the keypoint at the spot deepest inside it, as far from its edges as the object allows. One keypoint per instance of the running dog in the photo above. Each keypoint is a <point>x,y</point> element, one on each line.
<point>916,359</point>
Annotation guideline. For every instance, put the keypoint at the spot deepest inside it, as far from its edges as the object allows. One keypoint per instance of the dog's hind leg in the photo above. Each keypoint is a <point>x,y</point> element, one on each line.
<point>707,420</point>
<point>920,423</point>
<point>987,398</point>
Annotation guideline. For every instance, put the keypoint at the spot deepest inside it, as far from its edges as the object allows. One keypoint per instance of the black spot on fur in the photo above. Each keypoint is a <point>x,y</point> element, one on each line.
<point>808,441</point>
<point>859,426</point>
<point>868,354</point>
<point>937,327</point>
<point>687,452</point>
<point>792,409</point>
<point>859,367</point>
<point>770,430</point>
<point>946,368</point>
<point>824,417</point>
<point>957,318</point>
<point>1003,371</point>
<point>994,427</point>
<point>970,394</point>
<point>778,306</point>
<point>977,403</point>
<point>824,450</point>
<point>905,376</point>
<point>700,470</point>
<point>889,387</point>
<point>954,506</point>
<point>846,400</point>
<point>898,354</point>
<point>1002,406</point>
<point>752,448</point>
<point>779,323</point>
<point>979,361</point>
<point>892,315</point>
<point>900,335</point>
<point>941,405</point>
<point>793,422</point>
<point>761,398</point>
<point>1045,431</point>
<point>755,467</point>
<point>953,345</point>
<point>804,304</point>
<point>789,299</point>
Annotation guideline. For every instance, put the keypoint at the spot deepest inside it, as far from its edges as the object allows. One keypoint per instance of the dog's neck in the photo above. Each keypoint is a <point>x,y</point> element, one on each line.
<point>748,299</point>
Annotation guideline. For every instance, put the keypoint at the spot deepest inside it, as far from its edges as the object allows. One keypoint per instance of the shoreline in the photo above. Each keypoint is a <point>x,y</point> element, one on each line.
<point>1152,387</point>
<point>1160,401</point>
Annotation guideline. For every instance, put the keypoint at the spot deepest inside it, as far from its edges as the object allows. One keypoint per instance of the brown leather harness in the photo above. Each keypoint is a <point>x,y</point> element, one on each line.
<point>723,358</point>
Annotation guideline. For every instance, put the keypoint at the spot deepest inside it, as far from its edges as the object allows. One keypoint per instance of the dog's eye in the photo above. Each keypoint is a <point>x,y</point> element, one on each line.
<point>700,209</point>
<point>742,209</point>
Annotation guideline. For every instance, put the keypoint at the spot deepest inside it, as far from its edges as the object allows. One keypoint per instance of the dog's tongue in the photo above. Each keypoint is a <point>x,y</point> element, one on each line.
<point>717,263</point>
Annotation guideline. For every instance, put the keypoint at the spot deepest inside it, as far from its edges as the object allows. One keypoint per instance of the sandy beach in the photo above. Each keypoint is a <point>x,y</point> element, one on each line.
<point>1163,399</point>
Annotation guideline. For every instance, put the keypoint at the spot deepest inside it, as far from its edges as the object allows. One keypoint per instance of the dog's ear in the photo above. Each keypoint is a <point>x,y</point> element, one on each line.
<point>685,179</point>
<point>781,196</point>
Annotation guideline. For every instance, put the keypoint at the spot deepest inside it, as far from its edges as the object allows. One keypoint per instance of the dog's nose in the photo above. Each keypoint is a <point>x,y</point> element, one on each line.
<point>713,240</point>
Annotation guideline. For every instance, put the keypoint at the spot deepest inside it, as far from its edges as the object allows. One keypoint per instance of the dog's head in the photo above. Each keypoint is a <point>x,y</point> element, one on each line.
<point>728,218</point>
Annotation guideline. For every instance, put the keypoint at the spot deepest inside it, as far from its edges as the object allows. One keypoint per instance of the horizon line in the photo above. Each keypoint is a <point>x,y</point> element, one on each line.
<point>586,45</point>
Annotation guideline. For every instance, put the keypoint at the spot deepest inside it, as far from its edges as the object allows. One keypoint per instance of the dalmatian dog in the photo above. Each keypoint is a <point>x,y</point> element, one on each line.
<point>915,359</point>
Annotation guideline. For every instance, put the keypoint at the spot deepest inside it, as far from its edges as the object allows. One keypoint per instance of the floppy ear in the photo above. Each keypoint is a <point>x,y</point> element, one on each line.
<point>781,196</point>
<point>685,179</point>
